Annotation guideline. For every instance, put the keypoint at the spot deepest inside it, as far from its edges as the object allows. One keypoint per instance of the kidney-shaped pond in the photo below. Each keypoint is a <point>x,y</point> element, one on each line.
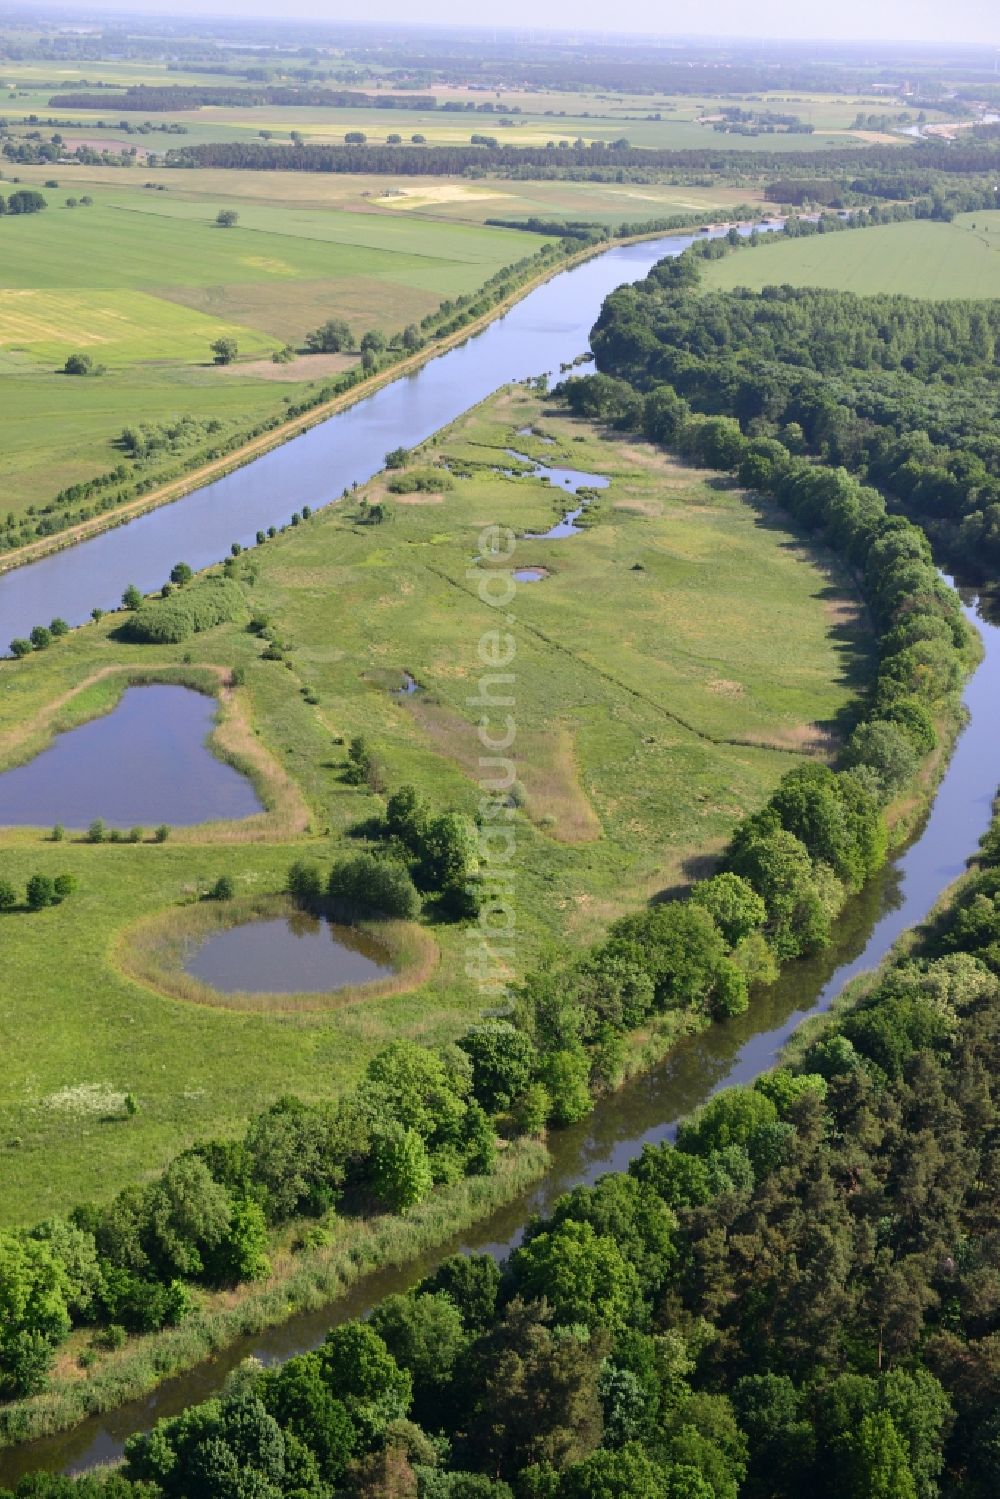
<point>296,954</point>
<point>144,763</point>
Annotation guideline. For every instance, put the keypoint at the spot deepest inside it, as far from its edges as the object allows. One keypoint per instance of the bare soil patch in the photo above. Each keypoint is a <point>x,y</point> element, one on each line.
<point>306,367</point>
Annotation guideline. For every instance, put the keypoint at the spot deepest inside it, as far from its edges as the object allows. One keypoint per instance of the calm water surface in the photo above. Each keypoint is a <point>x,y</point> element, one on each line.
<point>144,763</point>
<point>298,954</point>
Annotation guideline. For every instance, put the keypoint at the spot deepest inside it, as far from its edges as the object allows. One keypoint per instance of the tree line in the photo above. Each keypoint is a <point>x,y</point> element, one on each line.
<point>453,160</point>
<point>157,99</point>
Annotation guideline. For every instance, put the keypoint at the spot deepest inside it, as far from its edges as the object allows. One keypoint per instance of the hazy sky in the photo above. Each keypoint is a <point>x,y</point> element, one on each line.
<point>905,20</point>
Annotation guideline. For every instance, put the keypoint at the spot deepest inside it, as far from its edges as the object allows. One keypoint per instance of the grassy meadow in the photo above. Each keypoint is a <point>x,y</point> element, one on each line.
<point>917,259</point>
<point>678,655</point>
<point>144,282</point>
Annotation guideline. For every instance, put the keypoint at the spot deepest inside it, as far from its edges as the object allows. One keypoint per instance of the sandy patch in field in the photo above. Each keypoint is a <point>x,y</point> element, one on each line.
<point>447,192</point>
<point>268,263</point>
<point>416,499</point>
<point>874,137</point>
<point>306,367</point>
<point>723,687</point>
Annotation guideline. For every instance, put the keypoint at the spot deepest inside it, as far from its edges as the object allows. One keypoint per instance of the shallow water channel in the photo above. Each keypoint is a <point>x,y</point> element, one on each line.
<point>146,762</point>
<point>295,954</point>
<point>646,1111</point>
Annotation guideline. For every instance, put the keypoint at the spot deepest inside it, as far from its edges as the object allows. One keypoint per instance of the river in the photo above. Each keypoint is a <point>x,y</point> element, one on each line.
<point>646,1110</point>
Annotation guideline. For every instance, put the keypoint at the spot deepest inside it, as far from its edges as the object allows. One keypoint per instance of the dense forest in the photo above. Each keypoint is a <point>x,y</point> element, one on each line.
<point>155,99</point>
<point>447,160</point>
<point>900,391</point>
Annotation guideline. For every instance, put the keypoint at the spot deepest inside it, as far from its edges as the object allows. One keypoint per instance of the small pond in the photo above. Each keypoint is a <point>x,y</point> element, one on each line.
<point>297,954</point>
<point>142,764</point>
<point>571,481</point>
<point>530,574</point>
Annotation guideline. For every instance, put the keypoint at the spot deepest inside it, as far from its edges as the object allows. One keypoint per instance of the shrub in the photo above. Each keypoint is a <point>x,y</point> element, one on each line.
<point>41,892</point>
<point>97,832</point>
<point>377,885</point>
<point>305,883</point>
<point>223,889</point>
<point>205,604</point>
<point>161,834</point>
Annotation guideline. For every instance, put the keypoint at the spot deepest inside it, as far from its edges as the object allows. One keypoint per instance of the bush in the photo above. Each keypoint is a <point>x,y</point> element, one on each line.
<point>421,481</point>
<point>41,892</point>
<point>305,884</point>
<point>223,889</point>
<point>202,606</point>
<point>376,885</point>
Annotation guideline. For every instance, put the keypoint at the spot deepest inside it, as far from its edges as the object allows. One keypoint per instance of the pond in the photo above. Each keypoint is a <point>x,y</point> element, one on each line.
<point>530,574</point>
<point>144,763</point>
<point>296,954</point>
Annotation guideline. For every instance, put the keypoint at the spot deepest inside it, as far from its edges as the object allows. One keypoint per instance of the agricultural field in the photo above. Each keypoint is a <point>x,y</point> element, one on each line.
<point>675,659</point>
<point>145,281</point>
<point>917,258</point>
<point>435,198</point>
<point>668,121</point>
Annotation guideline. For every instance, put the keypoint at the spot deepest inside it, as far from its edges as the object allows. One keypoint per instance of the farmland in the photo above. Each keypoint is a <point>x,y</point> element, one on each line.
<point>141,281</point>
<point>659,697</point>
<point>917,259</point>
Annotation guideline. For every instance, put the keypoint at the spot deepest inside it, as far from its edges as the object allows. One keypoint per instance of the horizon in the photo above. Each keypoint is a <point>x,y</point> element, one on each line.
<point>966,23</point>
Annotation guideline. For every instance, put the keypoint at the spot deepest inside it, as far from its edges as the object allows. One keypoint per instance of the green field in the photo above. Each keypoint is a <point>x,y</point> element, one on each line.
<point>141,280</point>
<point>385,197</point>
<point>916,259</point>
<point>680,654</point>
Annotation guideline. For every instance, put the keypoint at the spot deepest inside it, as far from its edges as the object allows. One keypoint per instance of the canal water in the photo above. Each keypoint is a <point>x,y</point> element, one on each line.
<point>549,327</point>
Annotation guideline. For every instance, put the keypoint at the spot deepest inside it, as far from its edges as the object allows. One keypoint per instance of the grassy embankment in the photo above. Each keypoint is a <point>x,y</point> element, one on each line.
<point>678,656</point>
